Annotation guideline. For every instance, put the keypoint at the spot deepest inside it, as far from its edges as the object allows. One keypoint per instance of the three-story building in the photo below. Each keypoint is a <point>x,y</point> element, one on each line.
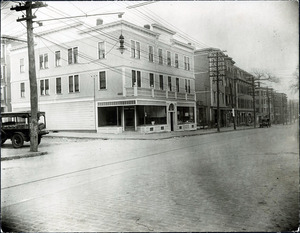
<point>85,83</point>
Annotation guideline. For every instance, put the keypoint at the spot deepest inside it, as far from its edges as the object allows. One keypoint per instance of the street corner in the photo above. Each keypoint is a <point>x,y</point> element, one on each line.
<point>22,155</point>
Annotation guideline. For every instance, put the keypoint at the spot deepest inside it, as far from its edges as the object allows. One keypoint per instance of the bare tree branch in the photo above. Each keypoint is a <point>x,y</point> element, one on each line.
<point>294,86</point>
<point>263,75</point>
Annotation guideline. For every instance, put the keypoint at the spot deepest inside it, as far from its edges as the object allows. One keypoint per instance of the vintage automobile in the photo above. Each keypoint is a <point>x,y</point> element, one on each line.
<point>15,126</point>
<point>264,122</point>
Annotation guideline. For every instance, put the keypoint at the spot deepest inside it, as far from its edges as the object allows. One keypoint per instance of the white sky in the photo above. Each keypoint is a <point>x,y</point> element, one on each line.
<point>256,34</point>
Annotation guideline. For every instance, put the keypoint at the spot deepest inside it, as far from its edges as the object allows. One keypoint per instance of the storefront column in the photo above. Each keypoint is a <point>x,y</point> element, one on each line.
<point>195,115</point>
<point>135,119</point>
<point>123,119</point>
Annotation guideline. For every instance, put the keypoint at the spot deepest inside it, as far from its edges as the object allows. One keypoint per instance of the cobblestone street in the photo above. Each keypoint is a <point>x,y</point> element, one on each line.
<point>233,181</point>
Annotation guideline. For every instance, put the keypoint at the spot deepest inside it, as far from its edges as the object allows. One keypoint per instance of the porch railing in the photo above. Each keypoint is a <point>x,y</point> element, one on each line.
<point>161,94</point>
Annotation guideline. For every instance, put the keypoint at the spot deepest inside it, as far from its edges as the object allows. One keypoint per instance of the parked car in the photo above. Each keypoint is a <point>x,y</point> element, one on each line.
<point>264,122</point>
<point>15,126</point>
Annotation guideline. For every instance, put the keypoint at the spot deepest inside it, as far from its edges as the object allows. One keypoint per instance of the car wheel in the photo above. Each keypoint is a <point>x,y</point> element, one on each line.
<point>17,140</point>
<point>3,137</point>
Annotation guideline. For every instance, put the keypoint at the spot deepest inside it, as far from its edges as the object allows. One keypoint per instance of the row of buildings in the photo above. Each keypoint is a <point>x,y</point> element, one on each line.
<point>156,84</point>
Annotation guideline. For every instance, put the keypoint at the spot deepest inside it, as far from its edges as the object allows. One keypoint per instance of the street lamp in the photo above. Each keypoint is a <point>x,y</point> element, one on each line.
<point>121,40</point>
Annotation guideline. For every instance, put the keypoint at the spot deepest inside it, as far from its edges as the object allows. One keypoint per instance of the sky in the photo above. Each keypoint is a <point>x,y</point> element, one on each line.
<point>256,34</point>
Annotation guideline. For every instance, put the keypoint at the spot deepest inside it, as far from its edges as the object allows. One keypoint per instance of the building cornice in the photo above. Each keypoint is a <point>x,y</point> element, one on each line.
<point>177,42</point>
<point>121,23</point>
<point>58,29</point>
<point>162,28</point>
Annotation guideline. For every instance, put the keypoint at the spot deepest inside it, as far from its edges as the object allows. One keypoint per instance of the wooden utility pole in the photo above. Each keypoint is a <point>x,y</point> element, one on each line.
<point>232,105</point>
<point>217,72</point>
<point>28,6</point>
<point>254,107</point>
<point>269,106</point>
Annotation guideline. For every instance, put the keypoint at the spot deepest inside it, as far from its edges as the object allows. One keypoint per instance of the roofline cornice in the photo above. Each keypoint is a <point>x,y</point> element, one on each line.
<point>155,25</point>
<point>121,22</point>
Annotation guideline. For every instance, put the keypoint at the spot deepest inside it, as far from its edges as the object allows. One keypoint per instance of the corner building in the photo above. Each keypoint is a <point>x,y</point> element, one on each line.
<point>86,84</point>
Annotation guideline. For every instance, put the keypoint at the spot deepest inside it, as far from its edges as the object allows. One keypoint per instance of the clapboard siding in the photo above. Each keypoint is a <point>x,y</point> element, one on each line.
<point>69,116</point>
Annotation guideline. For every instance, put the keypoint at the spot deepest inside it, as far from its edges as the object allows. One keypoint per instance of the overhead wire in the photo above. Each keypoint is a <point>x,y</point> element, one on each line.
<point>87,57</point>
<point>144,53</point>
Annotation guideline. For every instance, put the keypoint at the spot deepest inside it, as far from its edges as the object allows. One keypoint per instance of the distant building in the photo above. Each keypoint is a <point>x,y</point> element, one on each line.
<point>85,83</point>
<point>235,87</point>
<point>280,108</point>
<point>6,43</point>
<point>264,104</point>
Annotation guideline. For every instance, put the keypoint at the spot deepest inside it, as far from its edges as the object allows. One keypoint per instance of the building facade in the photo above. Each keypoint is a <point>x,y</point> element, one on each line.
<point>6,43</point>
<point>264,102</point>
<point>235,85</point>
<point>86,84</point>
<point>280,108</point>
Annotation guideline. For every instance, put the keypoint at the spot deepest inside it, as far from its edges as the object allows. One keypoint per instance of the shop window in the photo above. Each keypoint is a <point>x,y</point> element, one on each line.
<point>109,116</point>
<point>149,115</point>
<point>185,115</point>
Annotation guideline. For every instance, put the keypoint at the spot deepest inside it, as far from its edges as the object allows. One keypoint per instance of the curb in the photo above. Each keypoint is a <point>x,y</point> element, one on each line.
<point>28,155</point>
<point>143,138</point>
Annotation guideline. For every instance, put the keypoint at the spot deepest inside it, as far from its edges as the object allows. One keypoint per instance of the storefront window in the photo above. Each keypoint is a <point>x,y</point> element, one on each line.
<point>148,115</point>
<point>185,115</point>
<point>109,116</point>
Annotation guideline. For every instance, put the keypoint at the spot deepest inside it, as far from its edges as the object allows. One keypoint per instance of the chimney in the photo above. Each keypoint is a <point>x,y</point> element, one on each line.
<point>147,26</point>
<point>99,22</point>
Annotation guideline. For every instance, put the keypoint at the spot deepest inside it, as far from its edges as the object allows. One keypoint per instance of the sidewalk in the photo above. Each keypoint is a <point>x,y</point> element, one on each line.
<point>9,153</point>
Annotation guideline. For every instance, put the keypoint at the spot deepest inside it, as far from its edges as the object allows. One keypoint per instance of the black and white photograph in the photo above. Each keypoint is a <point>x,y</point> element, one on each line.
<point>149,116</point>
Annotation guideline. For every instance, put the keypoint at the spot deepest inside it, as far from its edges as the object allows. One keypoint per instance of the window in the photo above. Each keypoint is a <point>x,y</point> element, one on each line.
<point>58,85</point>
<point>151,54</point>
<point>73,55</point>
<point>215,96</point>
<point>2,72</point>
<point>185,84</point>
<point>44,87</point>
<point>57,59</point>
<point>189,86</point>
<point>161,82</point>
<point>160,57</point>
<point>154,115</point>
<point>186,63</point>
<point>176,61</point>
<point>185,115</point>
<point>136,78</point>
<point>3,51</point>
<point>22,88</point>
<point>135,49</point>
<point>2,93</point>
<point>151,77</point>
<point>170,83</point>
<point>177,84</point>
<point>22,67</point>
<point>102,80</point>
<point>101,50</point>
<point>109,116</point>
<point>73,83</point>
<point>169,58</point>
<point>44,61</point>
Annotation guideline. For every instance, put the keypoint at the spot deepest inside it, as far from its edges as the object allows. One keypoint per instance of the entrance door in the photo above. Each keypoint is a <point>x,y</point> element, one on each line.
<point>172,120</point>
<point>129,118</point>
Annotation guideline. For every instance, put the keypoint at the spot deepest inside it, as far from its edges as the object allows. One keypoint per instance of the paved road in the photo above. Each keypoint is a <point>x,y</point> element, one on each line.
<point>233,181</point>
